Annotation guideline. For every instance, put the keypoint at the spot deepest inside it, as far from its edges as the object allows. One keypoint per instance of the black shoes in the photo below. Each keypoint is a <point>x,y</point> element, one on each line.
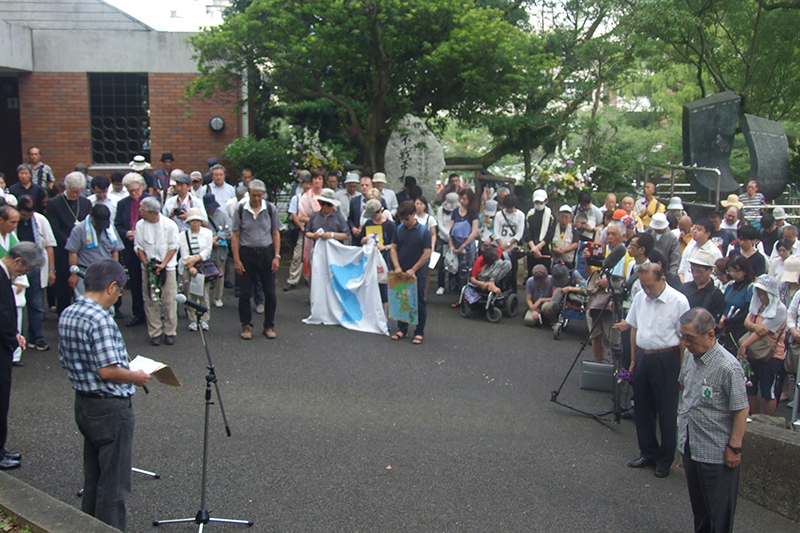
<point>642,462</point>
<point>17,363</point>
<point>135,321</point>
<point>662,471</point>
<point>8,464</point>
<point>14,456</point>
<point>169,340</point>
<point>155,341</point>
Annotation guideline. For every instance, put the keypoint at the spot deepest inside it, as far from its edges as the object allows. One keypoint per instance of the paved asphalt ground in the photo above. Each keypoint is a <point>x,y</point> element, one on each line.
<point>320,414</point>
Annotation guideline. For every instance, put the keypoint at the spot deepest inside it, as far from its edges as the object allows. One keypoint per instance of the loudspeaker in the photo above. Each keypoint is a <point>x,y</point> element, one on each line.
<point>597,376</point>
<point>709,125</point>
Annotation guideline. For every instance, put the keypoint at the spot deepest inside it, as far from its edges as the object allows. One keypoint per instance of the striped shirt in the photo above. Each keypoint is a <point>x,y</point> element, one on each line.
<point>714,390</point>
<point>89,340</point>
<point>752,206</point>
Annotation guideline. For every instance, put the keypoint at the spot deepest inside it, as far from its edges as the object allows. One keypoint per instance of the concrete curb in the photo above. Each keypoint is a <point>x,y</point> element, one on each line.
<point>771,469</point>
<point>43,513</point>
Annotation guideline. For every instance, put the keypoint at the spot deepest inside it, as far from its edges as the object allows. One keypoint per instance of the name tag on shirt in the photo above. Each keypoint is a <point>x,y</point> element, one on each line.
<point>707,392</point>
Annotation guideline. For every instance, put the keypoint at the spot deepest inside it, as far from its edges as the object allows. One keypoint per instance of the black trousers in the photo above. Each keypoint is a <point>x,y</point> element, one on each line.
<point>713,491</point>
<point>134,267</point>
<point>257,264</point>
<point>5,397</point>
<point>64,294</point>
<point>107,426</point>
<point>655,387</point>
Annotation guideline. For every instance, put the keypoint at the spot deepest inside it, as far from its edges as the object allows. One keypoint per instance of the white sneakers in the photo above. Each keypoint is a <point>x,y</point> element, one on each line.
<point>204,325</point>
<point>217,303</point>
<point>192,326</point>
<point>440,291</point>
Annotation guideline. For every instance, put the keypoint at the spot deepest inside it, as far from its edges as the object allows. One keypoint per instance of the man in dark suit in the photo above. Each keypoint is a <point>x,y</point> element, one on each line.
<point>64,212</point>
<point>125,223</point>
<point>357,207</point>
<point>20,259</point>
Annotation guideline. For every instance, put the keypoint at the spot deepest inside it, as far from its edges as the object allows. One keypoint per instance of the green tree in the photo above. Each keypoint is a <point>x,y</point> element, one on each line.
<point>376,60</point>
<point>269,160</point>
<point>747,46</point>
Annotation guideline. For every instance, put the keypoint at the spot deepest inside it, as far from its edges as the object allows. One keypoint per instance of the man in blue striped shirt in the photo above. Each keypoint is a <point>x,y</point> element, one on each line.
<point>93,352</point>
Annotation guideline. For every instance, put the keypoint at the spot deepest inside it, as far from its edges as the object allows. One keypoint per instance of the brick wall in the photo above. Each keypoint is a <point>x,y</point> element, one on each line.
<point>54,112</point>
<point>180,126</point>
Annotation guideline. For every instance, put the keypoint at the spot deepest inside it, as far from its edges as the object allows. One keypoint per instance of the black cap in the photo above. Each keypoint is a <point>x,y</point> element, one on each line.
<point>101,216</point>
<point>212,161</point>
<point>167,156</point>
<point>210,202</point>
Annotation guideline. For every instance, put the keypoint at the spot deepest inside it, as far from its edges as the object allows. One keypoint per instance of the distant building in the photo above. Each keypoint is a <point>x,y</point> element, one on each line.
<point>87,82</point>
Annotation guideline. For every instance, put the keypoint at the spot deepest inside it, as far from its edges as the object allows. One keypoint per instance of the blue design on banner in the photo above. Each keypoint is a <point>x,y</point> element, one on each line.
<point>341,276</point>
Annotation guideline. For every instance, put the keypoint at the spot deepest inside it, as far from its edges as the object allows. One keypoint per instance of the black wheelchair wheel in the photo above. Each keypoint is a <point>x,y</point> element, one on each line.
<point>466,309</point>
<point>511,305</point>
<point>493,314</point>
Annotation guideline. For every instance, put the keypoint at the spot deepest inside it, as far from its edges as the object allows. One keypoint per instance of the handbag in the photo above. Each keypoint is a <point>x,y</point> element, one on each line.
<point>761,350</point>
<point>207,268</point>
<point>792,357</point>
<point>383,270</point>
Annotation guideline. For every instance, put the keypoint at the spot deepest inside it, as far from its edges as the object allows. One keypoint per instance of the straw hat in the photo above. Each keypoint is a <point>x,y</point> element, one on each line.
<point>733,200</point>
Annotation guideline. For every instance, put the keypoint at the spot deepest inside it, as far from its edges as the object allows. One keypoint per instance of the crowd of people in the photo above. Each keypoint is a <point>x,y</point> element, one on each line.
<point>723,286</point>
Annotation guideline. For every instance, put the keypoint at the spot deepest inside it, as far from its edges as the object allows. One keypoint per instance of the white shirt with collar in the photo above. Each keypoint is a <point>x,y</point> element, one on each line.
<point>223,193</point>
<point>390,198</point>
<point>157,239</point>
<point>110,202</point>
<point>188,202</point>
<point>657,320</point>
<point>690,251</point>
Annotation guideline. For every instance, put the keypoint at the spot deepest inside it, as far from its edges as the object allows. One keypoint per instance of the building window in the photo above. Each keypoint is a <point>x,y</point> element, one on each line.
<point>120,110</point>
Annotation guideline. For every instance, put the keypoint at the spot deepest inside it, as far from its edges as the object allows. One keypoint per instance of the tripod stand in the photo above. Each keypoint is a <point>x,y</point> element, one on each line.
<point>203,516</point>
<point>617,296</point>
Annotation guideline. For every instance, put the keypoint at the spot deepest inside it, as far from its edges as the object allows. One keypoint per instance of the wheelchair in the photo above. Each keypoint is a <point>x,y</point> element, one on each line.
<point>494,306</point>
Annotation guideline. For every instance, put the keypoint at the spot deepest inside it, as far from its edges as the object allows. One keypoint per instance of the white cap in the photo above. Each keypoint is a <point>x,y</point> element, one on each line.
<point>539,195</point>
<point>659,221</point>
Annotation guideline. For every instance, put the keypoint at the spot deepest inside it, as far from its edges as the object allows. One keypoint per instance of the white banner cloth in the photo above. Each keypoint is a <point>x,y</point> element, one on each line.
<point>344,287</point>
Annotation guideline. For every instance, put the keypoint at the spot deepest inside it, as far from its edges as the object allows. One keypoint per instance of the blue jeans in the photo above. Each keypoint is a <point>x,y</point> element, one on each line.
<point>34,296</point>
<point>422,280</point>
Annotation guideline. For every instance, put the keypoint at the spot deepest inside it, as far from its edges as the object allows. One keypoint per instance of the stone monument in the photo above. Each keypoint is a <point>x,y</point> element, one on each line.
<point>769,154</point>
<point>413,150</point>
<point>709,125</point>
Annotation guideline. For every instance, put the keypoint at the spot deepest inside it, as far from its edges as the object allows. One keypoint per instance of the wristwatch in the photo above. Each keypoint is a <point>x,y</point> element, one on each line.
<point>737,451</point>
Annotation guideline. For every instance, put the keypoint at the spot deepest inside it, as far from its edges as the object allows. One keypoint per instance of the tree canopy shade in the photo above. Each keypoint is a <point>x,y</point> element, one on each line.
<point>747,46</point>
<point>377,60</point>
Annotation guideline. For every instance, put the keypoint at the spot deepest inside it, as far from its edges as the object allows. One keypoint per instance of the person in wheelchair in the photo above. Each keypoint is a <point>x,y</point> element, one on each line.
<point>490,272</point>
<point>569,289</point>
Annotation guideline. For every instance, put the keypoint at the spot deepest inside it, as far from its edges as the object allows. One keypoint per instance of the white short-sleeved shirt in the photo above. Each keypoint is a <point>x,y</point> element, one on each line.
<point>690,251</point>
<point>657,320</point>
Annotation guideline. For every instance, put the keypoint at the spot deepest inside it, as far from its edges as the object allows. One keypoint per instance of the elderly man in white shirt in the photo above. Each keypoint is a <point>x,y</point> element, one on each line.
<point>654,319</point>
<point>221,190</point>
<point>388,195</point>
<point>176,207</point>
<point>156,239</point>
<point>100,188</point>
<point>346,195</point>
<point>701,235</point>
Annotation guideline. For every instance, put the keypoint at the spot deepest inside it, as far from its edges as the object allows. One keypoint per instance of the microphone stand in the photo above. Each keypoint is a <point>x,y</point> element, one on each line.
<point>554,394</point>
<point>615,344</point>
<point>203,516</point>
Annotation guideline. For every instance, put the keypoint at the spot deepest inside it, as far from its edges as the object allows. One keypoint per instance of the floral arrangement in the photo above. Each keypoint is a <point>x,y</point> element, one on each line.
<point>309,152</point>
<point>562,176</point>
<point>623,375</point>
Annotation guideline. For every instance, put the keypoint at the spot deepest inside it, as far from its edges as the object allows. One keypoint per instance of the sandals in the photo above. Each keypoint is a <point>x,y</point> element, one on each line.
<point>397,336</point>
<point>456,305</point>
<point>417,339</point>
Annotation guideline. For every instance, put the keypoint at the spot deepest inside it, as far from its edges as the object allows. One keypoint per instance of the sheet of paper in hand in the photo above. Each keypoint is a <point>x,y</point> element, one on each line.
<point>403,299</point>
<point>160,371</point>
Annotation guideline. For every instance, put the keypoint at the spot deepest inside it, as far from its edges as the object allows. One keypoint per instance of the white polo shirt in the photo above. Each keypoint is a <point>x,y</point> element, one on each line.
<point>657,320</point>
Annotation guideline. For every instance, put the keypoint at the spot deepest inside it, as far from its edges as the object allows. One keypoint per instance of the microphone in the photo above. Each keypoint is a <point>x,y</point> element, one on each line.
<point>75,269</point>
<point>182,299</point>
<point>614,257</point>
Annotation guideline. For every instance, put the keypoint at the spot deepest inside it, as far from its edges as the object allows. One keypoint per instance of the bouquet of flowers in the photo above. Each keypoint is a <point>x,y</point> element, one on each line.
<point>562,176</point>
<point>309,152</point>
